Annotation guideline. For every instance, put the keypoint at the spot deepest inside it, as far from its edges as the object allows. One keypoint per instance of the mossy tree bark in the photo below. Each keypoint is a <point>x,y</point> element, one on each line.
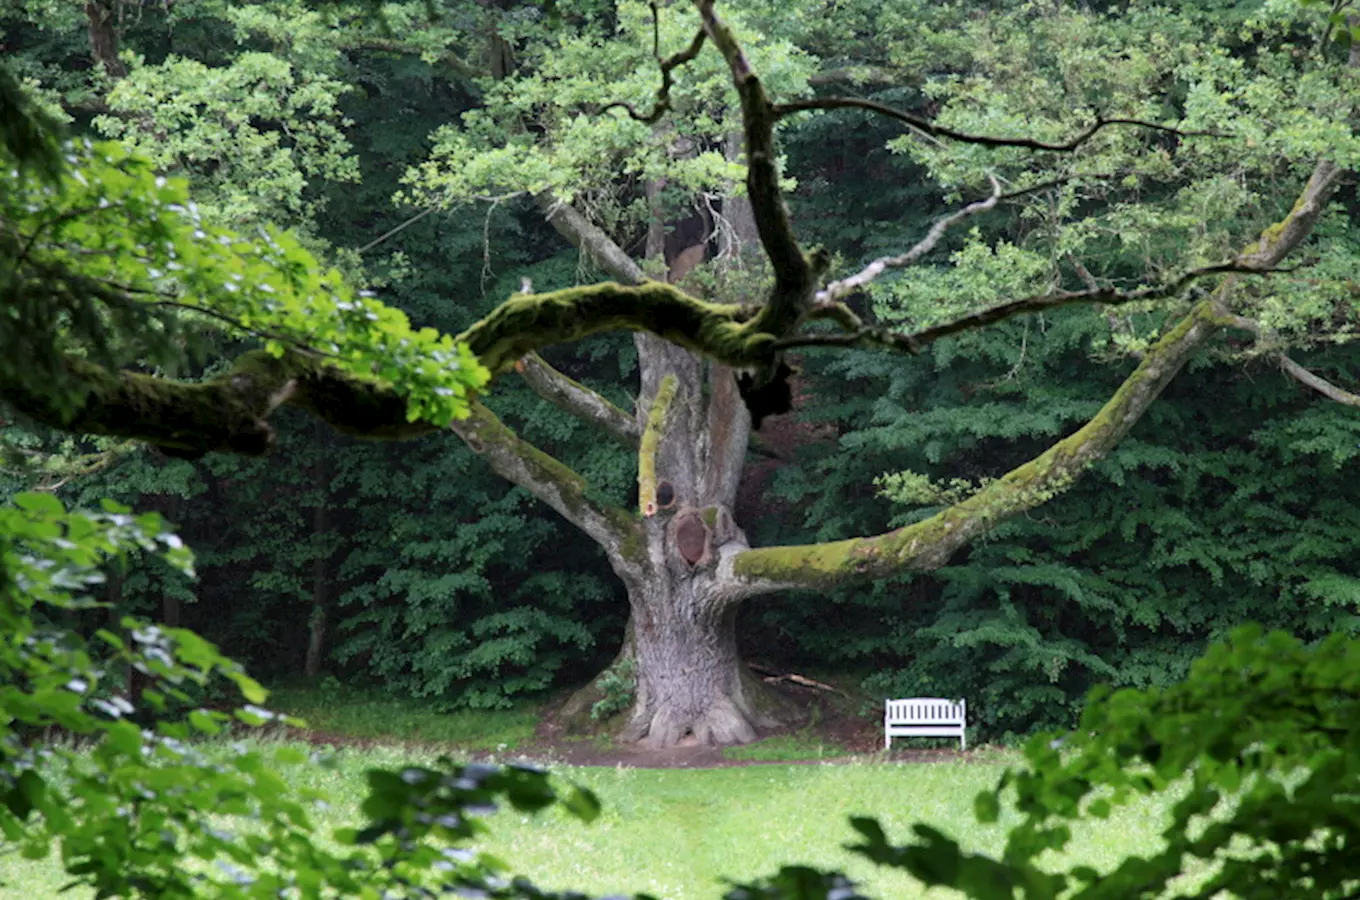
<point>674,553</point>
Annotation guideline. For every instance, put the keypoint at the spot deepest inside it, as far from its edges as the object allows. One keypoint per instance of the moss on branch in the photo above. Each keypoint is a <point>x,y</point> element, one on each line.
<point>527,322</point>
<point>651,442</point>
<point>929,544</point>
<point>228,412</point>
<point>548,479</point>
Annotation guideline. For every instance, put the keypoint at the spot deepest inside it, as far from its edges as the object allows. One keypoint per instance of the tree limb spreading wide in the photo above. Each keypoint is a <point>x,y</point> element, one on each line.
<point>932,129</point>
<point>528,322</point>
<point>573,397</point>
<point>229,413</point>
<point>863,335</point>
<point>548,479</point>
<point>929,544</point>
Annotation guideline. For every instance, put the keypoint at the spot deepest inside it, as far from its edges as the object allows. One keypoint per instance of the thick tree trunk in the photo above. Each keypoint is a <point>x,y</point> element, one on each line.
<point>692,431</point>
<point>690,681</point>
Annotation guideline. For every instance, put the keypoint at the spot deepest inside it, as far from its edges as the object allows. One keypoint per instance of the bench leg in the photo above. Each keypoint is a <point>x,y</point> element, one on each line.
<point>963,743</point>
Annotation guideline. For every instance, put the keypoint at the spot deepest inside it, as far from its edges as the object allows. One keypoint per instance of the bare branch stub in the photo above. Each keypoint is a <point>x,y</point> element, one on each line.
<point>1266,339</point>
<point>927,127</point>
<point>837,289</point>
<point>1316,382</point>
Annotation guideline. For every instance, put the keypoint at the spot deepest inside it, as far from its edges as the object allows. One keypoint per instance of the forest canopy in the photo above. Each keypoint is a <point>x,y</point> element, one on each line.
<point>1090,198</point>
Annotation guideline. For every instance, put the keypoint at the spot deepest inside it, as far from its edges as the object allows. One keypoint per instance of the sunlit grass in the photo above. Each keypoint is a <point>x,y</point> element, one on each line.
<point>677,833</point>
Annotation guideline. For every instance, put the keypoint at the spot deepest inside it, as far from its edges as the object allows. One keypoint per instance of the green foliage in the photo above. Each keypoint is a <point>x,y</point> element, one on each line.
<point>461,614</point>
<point>108,259</point>
<point>1257,745</point>
<point>258,134</point>
<point>150,811</point>
<point>538,133</point>
<point>27,134</point>
<point>618,683</point>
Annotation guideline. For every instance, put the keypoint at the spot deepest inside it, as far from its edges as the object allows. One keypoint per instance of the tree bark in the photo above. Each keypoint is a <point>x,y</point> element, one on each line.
<point>674,557</point>
<point>316,622</point>
<point>691,683</point>
<point>101,19</point>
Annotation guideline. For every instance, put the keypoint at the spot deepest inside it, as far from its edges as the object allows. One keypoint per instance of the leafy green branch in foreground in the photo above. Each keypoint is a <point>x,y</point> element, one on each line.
<point>141,805</point>
<point>101,266</point>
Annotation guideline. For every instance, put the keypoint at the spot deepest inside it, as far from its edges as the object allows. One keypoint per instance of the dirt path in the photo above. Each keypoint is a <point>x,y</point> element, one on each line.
<point>855,739</point>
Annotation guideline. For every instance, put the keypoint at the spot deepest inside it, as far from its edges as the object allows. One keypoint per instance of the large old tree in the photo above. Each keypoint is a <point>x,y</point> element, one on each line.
<point>711,365</point>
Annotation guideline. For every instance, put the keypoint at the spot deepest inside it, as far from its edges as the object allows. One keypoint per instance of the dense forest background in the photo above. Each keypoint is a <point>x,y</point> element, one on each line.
<point>415,568</point>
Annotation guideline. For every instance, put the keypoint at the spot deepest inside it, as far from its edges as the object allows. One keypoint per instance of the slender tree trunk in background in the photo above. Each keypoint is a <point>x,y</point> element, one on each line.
<point>102,19</point>
<point>171,609</point>
<point>134,681</point>
<point>316,622</point>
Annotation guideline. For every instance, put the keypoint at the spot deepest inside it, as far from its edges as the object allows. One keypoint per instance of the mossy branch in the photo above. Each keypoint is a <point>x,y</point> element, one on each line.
<point>652,433</point>
<point>527,322</point>
<point>228,413</point>
<point>548,479</point>
<point>590,239</point>
<point>930,543</point>
<point>573,397</point>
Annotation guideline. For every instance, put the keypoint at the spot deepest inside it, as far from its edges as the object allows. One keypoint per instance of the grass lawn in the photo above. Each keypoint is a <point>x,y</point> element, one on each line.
<point>677,833</point>
<point>372,714</point>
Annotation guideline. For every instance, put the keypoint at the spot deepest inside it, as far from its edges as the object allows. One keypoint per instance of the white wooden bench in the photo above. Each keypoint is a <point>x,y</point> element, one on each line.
<point>925,717</point>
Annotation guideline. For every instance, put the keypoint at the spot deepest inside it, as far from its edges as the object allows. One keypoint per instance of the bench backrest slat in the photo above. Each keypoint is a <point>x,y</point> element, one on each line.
<point>926,710</point>
<point>925,717</point>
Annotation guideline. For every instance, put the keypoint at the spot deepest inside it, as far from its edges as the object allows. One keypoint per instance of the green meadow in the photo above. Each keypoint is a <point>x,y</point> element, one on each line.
<point>680,833</point>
